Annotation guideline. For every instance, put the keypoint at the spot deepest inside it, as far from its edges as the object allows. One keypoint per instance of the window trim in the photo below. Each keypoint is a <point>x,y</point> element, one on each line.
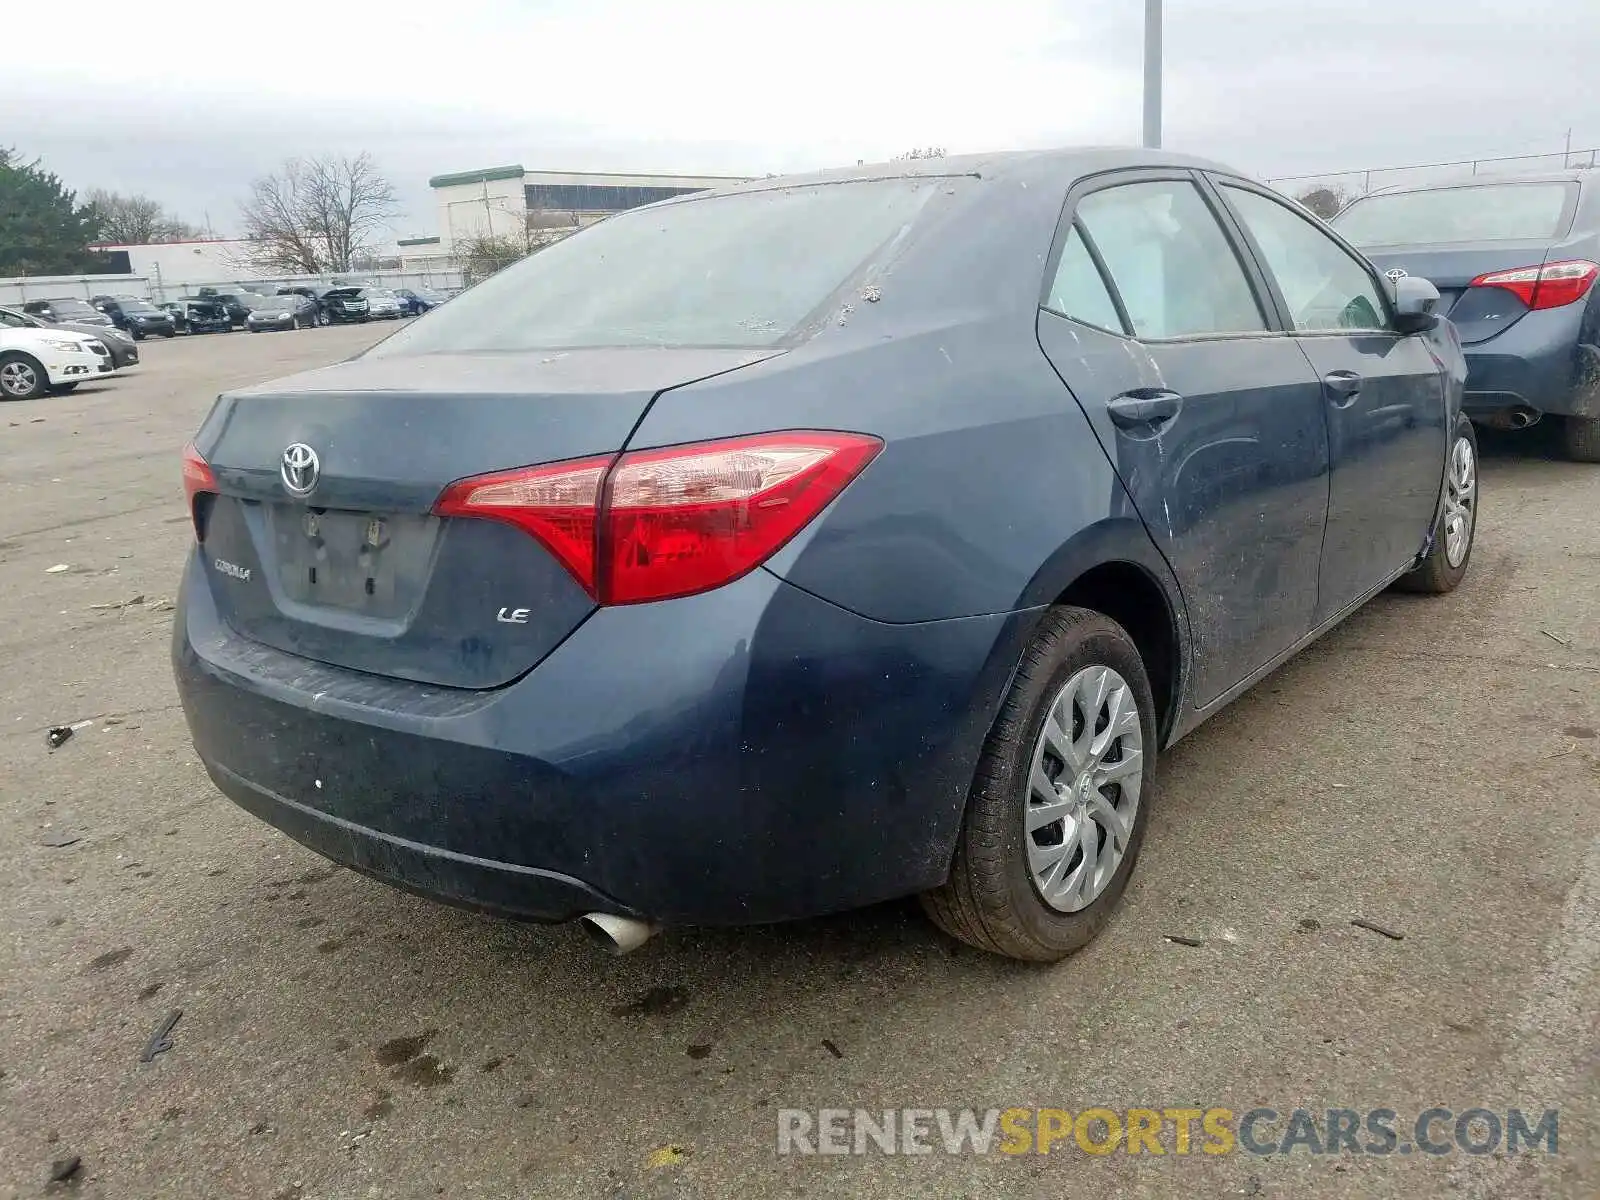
<point>1125,329</point>
<point>1264,296</point>
<point>1219,182</point>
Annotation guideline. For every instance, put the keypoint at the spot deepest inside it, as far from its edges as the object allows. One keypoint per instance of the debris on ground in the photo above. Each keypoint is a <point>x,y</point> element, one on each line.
<point>117,605</point>
<point>1360,923</point>
<point>1184,941</point>
<point>666,1156</point>
<point>1560,641</point>
<point>161,1040</point>
<point>58,734</point>
<point>64,1169</point>
<point>58,568</point>
<point>57,840</point>
<point>827,1044</point>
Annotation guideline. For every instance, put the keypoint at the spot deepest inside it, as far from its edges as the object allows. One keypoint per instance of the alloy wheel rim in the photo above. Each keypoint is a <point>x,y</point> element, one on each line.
<point>18,378</point>
<point>1083,787</point>
<point>1460,502</point>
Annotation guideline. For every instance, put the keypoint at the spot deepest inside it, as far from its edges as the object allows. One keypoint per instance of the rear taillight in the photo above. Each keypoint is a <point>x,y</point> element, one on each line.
<point>1554,285</point>
<point>654,524</point>
<point>198,478</point>
<point>558,504</point>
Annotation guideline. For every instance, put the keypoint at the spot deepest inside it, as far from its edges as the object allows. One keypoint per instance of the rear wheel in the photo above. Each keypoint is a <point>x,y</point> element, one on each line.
<point>1060,800</point>
<point>1446,564</point>
<point>1580,439</point>
<point>138,334</point>
<point>21,377</point>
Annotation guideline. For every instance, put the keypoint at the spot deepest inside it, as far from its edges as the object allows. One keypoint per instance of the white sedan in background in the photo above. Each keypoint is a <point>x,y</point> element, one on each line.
<point>383,305</point>
<point>36,361</point>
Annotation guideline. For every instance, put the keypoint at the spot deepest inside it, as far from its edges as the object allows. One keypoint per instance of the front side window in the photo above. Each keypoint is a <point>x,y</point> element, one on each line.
<point>1078,291</point>
<point>1324,287</point>
<point>1169,260</point>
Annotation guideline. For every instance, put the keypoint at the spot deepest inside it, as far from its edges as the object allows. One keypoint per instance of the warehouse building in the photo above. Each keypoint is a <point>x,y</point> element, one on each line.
<point>506,201</point>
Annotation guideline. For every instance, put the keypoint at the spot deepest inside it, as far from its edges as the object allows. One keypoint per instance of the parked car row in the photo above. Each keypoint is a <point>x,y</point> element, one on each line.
<point>211,310</point>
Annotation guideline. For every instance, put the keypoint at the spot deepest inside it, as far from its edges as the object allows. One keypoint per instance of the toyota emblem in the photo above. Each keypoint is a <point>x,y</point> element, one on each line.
<point>299,469</point>
<point>1396,274</point>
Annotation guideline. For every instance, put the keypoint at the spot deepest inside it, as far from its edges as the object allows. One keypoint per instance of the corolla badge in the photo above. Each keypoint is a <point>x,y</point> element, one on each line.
<point>300,469</point>
<point>1396,274</point>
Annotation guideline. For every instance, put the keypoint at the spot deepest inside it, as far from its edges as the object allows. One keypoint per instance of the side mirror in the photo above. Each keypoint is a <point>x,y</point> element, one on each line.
<point>1414,301</point>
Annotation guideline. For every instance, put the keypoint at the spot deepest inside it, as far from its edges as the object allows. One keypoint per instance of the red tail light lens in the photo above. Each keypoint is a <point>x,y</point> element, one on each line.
<point>558,504</point>
<point>197,475</point>
<point>198,480</point>
<point>1554,285</point>
<point>692,518</point>
<point>664,523</point>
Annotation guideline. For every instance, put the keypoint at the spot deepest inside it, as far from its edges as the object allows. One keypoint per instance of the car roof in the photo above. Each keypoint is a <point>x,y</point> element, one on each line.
<point>1053,167</point>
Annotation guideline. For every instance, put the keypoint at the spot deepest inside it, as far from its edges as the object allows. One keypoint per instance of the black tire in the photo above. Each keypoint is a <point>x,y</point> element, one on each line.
<point>1580,439</point>
<point>13,385</point>
<point>990,900</point>
<point>138,334</point>
<point>1435,575</point>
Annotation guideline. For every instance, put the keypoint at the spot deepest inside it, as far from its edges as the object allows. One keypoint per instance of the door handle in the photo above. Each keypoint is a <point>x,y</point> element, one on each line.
<point>1144,407</point>
<point>1342,387</point>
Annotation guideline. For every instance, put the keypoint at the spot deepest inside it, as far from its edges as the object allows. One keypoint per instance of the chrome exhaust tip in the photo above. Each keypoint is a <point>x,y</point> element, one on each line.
<point>617,935</point>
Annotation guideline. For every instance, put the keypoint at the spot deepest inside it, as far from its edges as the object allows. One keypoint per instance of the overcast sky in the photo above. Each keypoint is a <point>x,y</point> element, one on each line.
<point>188,102</point>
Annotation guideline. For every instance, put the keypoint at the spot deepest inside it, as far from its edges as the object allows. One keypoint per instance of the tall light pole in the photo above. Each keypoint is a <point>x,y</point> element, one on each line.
<point>1152,74</point>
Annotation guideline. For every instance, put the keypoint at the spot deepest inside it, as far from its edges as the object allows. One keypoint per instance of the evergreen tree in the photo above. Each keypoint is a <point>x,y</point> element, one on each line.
<point>43,229</point>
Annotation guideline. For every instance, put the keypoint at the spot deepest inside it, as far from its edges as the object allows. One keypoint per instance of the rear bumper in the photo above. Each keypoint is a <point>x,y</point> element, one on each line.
<point>1537,364</point>
<point>751,754</point>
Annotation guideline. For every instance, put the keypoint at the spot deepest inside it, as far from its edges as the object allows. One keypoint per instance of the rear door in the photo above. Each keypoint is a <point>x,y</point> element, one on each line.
<point>1384,395</point>
<point>1211,416</point>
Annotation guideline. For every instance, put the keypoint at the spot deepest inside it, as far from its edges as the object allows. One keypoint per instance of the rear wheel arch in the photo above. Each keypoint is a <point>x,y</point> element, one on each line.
<point>1130,595</point>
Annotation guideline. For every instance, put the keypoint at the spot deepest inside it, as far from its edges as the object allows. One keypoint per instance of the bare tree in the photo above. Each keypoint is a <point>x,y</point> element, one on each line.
<point>1324,201</point>
<point>914,154</point>
<point>137,220</point>
<point>317,214</point>
<point>481,255</point>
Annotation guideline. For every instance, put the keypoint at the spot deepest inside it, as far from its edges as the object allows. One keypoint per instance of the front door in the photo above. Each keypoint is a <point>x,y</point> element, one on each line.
<point>1213,420</point>
<point>1384,396</point>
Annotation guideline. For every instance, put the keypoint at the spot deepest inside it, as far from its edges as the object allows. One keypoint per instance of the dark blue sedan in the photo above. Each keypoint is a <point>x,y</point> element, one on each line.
<point>1516,258</point>
<point>773,551</point>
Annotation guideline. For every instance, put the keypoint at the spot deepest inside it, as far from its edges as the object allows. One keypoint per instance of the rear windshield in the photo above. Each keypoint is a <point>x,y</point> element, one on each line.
<point>744,269</point>
<point>1505,212</point>
<point>76,308</point>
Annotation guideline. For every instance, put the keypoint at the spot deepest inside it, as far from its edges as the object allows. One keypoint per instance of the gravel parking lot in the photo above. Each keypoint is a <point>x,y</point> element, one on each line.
<point>1431,768</point>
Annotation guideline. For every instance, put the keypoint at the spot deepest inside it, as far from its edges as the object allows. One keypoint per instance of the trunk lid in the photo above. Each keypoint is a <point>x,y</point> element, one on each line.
<point>1450,267</point>
<point>357,572</point>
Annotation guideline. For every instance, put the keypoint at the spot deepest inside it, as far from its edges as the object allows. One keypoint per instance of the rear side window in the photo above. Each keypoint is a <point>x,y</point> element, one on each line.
<point>743,269</point>
<point>1498,212</point>
<point>1172,266</point>
<point>1324,287</point>
<point>1078,291</point>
